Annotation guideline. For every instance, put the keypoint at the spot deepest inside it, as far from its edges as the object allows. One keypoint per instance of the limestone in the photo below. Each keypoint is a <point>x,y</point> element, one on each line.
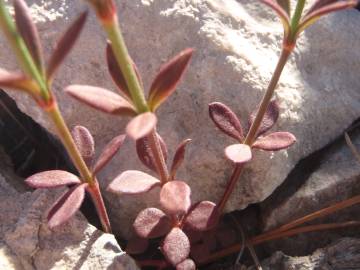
<point>27,243</point>
<point>237,45</point>
<point>336,179</point>
<point>341,255</point>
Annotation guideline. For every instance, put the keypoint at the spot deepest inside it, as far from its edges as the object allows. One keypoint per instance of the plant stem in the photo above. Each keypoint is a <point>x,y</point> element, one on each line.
<point>251,136</point>
<point>229,188</point>
<point>296,18</point>
<point>158,157</point>
<point>125,62</point>
<point>97,198</point>
<point>86,176</point>
<point>21,51</point>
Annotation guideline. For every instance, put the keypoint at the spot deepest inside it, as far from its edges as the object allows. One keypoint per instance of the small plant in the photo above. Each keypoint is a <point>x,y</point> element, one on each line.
<point>179,221</point>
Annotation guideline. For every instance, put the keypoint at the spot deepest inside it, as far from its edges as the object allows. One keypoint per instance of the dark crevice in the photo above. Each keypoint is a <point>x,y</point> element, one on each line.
<point>31,148</point>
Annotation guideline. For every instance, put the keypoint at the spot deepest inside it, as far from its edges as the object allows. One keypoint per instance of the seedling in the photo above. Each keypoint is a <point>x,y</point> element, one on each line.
<point>179,221</point>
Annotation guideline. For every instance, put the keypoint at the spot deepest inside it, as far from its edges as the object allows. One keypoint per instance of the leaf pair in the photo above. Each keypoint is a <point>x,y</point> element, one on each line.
<point>227,121</point>
<point>164,83</point>
<point>316,11</point>
<point>68,203</point>
<point>86,146</point>
<point>177,212</point>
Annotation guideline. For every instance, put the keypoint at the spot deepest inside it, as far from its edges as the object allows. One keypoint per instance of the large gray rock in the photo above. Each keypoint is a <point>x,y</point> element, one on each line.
<point>27,243</point>
<point>341,255</point>
<point>237,46</point>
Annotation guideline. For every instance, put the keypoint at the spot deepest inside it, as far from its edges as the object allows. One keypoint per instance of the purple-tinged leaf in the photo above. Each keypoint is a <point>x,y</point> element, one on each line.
<point>116,73</point>
<point>194,236</point>
<point>108,152</point>
<point>133,182</point>
<point>168,77</point>
<point>283,15</point>
<point>178,157</point>
<point>65,44</point>
<point>316,14</point>
<point>52,179</point>
<point>176,246</point>
<point>64,208</point>
<point>28,31</point>
<point>319,4</point>
<point>238,153</point>
<point>84,142</point>
<point>285,4</point>
<point>141,125</point>
<point>152,223</point>
<point>101,99</point>
<point>188,264</point>
<point>144,152</point>
<point>275,141</point>
<point>270,117</point>
<point>137,245</point>
<point>17,81</point>
<point>203,216</point>
<point>226,120</point>
<point>175,197</point>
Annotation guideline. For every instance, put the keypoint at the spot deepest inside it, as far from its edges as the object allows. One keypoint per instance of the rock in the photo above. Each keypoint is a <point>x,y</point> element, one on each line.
<point>237,47</point>
<point>341,255</point>
<point>336,179</point>
<point>27,243</point>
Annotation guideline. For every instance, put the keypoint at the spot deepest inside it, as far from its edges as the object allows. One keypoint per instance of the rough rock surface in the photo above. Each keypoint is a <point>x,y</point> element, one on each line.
<point>336,179</point>
<point>27,243</point>
<point>342,255</point>
<point>237,46</point>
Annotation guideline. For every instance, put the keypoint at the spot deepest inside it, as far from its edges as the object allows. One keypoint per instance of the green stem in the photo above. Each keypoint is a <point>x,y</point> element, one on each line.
<point>67,140</point>
<point>126,64</point>
<point>297,16</point>
<point>21,51</point>
<point>86,175</point>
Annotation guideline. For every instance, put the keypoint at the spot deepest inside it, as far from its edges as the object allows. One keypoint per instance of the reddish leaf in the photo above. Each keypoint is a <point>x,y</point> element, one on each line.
<point>52,179</point>
<point>238,153</point>
<point>116,73</point>
<point>65,44</point>
<point>283,15</point>
<point>64,208</point>
<point>145,154</point>
<point>178,157</point>
<point>133,182</point>
<point>320,11</point>
<point>203,216</point>
<point>275,141</point>
<point>152,223</point>
<point>176,246</point>
<point>226,120</point>
<point>285,4</point>
<point>168,77</point>
<point>270,117</point>
<point>175,197</point>
<point>28,31</point>
<point>141,125</point>
<point>137,245</point>
<point>188,264</point>
<point>84,142</point>
<point>319,4</point>
<point>17,81</point>
<point>108,152</point>
<point>101,99</point>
